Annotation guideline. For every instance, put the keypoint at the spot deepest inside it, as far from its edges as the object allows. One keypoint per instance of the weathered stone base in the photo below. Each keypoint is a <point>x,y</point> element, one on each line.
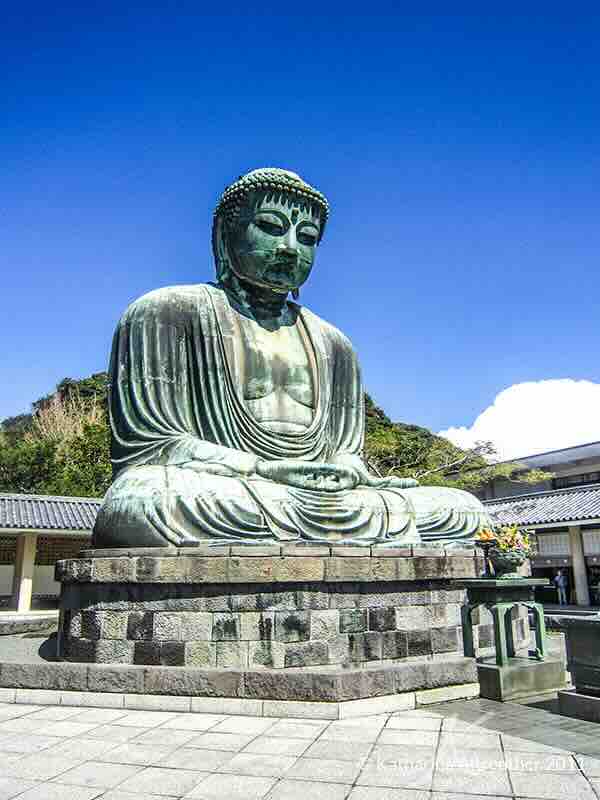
<point>572,703</point>
<point>263,608</point>
<point>520,679</point>
<point>384,704</point>
<point>307,685</point>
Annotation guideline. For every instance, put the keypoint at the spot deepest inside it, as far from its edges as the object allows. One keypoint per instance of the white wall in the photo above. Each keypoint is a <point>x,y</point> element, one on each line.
<point>43,580</point>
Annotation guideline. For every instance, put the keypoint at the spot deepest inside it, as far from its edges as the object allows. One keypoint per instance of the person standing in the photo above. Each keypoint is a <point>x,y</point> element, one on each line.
<point>560,581</point>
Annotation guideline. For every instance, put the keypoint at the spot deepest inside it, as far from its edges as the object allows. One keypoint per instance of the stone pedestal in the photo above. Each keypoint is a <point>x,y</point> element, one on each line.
<point>582,635</point>
<point>510,676</point>
<point>519,679</point>
<point>275,609</point>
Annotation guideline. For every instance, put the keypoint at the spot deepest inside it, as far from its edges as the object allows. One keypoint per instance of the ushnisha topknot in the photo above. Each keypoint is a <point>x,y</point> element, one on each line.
<point>269,179</point>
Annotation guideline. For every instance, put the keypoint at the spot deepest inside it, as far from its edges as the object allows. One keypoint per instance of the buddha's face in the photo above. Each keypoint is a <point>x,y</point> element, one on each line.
<point>273,242</point>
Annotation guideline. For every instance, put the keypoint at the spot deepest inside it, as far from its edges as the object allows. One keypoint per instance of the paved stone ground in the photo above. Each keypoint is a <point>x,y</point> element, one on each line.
<point>471,749</point>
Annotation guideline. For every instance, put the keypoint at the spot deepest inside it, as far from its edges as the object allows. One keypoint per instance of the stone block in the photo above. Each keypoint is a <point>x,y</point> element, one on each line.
<point>105,678</point>
<point>232,655</point>
<point>250,570</point>
<point>580,706</point>
<point>114,651</point>
<point>91,624</point>
<point>257,626</point>
<point>351,551</point>
<point>390,551</point>
<point>338,650</point>
<point>405,569</point>
<point>113,570</point>
<point>307,598</point>
<point>167,626</point>
<point>353,620</point>
<point>44,676</point>
<point>81,650</point>
<point>409,677</point>
<point>196,626</point>
<point>347,569</point>
<point>208,570</point>
<point>193,682</point>
<point>299,568</point>
<point>114,624</point>
<point>413,618</point>
<point>344,595</point>
<point>365,646</point>
<point>460,567</point>
<point>278,599</point>
<point>200,654</point>
<point>449,672</point>
<point>382,619</point>
<point>448,596</point>
<point>324,625</point>
<point>73,627</point>
<point>369,706</point>
<point>520,679</point>
<point>306,654</point>
<point>226,627</point>
<point>384,569</point>
<point>310,550</point>
<point>292,626</point>
<point>172,654</point>
<point>266,654</point>
<point>92,699</point>
<point>227,705</point>
<point>73,570</point>
<point>146,653</point>
<point>427,567</point>
<point>445,640</point>
<point>419,643</point>
<point>256,550</point>
<point>153,702</point>
<point>394,644</point>
<point>355,683</point>
<point>467,691</point>
<point>140,625</point>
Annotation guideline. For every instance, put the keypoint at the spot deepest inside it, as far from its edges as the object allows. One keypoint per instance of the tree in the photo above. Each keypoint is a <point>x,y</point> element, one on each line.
<point>63,446</point>
<point>410,451</point>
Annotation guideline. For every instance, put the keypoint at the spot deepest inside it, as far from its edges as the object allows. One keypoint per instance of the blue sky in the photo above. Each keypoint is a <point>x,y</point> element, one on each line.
<point>460,154</point>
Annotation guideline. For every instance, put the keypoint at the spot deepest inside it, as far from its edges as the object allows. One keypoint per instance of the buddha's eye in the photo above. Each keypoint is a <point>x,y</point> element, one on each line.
<point>269,223</point>
<point>308,235</point>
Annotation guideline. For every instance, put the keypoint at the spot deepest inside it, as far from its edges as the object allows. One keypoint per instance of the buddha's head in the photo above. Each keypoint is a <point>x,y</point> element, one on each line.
<point>266,228</point>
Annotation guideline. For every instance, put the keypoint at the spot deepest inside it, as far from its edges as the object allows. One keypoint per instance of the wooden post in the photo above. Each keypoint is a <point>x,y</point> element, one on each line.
<point>23,574</point>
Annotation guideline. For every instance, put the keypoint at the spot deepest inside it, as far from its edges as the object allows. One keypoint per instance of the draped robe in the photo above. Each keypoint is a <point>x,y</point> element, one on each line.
<point>178,417</point>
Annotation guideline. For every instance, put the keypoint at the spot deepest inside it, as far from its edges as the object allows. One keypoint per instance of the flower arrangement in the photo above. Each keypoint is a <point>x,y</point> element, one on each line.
<point>506,548</point>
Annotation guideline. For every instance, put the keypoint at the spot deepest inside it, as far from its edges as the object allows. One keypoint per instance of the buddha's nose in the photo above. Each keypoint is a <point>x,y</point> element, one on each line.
<point>288,246</point>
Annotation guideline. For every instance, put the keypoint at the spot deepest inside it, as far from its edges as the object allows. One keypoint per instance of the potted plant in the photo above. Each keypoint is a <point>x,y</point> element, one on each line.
<point>505,548</point>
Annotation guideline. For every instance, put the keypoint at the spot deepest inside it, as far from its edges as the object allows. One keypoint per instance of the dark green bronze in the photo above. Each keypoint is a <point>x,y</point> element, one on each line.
<point>237,414</point>
<point>500,596</point>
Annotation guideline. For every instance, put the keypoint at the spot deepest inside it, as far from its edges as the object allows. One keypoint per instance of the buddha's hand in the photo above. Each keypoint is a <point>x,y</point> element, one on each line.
<point>364,477</point>
<point>313,475</point>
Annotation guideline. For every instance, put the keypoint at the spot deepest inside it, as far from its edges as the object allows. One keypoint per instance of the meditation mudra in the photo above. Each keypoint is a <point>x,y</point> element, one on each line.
<point>237,415</point>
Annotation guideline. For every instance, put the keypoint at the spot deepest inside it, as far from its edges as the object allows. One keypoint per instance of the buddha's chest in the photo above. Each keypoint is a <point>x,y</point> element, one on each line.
<point>276,375</point>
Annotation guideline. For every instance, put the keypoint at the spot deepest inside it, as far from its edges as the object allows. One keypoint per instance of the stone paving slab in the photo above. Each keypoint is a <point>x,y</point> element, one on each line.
<point>465,750</point>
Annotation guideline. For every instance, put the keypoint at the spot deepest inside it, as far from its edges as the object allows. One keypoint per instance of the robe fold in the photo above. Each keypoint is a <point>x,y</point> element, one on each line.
<point>183,442</point>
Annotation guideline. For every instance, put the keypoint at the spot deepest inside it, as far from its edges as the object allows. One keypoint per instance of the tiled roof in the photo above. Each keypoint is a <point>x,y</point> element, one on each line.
<point>565,505</point>
<point>43,513</point>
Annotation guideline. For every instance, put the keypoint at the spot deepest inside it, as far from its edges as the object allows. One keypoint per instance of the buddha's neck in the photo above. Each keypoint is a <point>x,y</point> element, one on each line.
<point>262,304</point>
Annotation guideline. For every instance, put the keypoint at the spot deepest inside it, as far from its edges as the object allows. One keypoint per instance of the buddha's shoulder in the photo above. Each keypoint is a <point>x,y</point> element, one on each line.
<point>170,301</point>
<point>328,331</point>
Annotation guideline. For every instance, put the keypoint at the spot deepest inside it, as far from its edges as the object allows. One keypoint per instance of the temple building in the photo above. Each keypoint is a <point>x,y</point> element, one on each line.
<point>35,532</point>
<point>564,512</point>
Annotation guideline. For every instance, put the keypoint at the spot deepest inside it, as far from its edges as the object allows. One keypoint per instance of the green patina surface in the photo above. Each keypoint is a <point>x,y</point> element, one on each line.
<point>237,414</point>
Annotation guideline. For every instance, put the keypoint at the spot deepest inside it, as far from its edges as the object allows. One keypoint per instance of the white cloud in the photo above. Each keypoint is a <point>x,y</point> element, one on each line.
<point>533,417</point>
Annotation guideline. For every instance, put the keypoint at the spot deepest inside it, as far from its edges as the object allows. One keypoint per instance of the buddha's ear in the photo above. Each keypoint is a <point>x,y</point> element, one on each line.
<point>220,249</point>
